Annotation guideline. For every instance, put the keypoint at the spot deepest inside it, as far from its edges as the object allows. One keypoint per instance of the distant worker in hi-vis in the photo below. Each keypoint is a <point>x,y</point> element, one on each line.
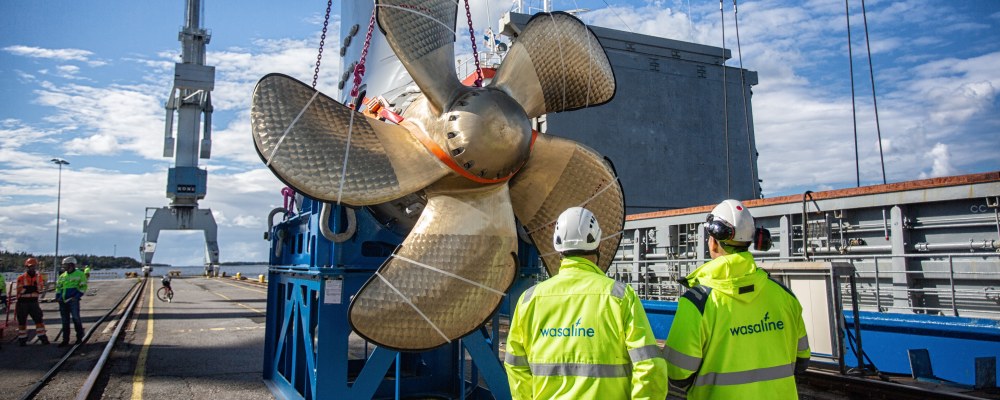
<point>3,293</point>
<point>70,287</point>
<point>580,334</point>
<point>737,333</point>
<point>30,286</point>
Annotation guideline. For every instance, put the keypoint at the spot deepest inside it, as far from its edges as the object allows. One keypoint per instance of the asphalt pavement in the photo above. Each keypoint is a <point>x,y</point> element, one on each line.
<point>207,343</point>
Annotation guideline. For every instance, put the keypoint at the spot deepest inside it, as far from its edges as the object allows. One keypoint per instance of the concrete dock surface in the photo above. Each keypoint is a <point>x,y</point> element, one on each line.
<point>208,343</point>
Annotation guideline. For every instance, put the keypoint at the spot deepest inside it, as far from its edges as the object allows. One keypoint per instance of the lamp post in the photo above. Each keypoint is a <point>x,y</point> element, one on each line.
<point>55,258</point>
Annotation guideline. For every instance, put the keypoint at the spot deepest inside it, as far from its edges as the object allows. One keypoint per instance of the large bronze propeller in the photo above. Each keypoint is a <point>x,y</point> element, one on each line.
<point>471,151</point>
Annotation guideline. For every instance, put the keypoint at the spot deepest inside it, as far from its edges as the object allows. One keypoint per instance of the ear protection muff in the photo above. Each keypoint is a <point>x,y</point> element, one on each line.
<point>762,239</point>
<point>719,228</point>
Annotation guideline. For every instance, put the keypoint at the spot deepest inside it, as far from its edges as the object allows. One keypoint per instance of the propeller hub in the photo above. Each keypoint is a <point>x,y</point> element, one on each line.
<point>487,133</point>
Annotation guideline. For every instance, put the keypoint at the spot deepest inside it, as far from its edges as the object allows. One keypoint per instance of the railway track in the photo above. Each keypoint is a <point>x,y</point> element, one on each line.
<point>821,384</point>
<point>119,314</point>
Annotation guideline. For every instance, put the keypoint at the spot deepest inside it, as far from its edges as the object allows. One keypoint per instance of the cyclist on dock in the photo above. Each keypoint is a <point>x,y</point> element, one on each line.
<point>166,284</point>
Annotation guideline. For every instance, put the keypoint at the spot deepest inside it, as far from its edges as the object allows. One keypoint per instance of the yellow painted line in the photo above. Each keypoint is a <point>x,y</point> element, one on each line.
<point>238,303</point>
<point>139,377</point>
<point>242,287</point>
<point>232,328</point>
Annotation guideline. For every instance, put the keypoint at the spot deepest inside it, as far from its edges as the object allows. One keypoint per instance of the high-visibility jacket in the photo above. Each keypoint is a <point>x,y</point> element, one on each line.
<point>71,285</point>
<point>29,287</point>
<point>582,335</point>
<point>737,334</point>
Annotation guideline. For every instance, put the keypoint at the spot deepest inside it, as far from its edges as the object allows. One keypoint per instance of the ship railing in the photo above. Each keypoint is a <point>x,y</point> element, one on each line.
<point>939,289</point>
<point>487,59</point>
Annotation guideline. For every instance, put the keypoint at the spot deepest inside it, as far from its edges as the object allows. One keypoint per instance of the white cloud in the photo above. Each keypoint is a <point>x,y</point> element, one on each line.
<point>941,162</point>
<point>68,71</point>
<point>112,118</point>
<point>54,54</point>
<point>249,221</point>
<point>101,144</point>
<point>15,134</point>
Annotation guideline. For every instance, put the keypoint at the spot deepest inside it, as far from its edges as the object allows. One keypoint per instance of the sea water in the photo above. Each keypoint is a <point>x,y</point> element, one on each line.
<point>248,270</point>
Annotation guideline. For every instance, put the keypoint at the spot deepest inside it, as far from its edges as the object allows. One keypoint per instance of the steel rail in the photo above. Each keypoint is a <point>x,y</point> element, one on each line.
<point>88,386</point>
<point>31,393</point>
<point>872,388</point>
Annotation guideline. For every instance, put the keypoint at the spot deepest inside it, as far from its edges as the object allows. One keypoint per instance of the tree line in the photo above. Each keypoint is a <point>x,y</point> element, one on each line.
<point>14,261</point>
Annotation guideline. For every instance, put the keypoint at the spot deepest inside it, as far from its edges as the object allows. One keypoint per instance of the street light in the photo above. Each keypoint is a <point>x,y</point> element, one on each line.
<point>55,258</point>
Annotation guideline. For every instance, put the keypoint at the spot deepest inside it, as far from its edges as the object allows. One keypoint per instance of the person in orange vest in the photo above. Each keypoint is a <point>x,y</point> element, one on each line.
<point>30,286</point>
<point>3,297</point>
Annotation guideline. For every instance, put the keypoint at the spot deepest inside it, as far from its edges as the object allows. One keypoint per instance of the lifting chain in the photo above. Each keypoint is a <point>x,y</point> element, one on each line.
<point>359,71</point>
<point>475,52</point>
<point>322,41</point>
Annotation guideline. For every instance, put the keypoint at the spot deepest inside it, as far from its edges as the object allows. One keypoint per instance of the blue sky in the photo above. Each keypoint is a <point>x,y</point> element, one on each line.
<point>86,81</point>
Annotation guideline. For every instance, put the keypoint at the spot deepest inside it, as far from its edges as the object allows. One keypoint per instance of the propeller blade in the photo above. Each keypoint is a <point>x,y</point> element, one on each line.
<point>556,64</point>
<point>422,35</point>
<point>449,275</point>
<point>302,134</point>
<point>561,174</point>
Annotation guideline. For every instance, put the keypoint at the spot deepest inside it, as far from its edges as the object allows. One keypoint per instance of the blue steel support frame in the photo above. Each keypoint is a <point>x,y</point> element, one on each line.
<point>954,343</point>
<point>308,344</point>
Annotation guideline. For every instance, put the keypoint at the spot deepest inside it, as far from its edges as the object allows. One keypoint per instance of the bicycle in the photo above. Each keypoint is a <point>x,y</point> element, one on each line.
<point>165,293</point>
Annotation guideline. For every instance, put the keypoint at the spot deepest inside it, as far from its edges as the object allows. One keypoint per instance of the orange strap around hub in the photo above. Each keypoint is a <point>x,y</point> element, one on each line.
<point>451,163</point>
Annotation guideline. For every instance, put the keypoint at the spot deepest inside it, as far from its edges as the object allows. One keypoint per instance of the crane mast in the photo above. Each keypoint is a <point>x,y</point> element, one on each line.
<point>190,98</point>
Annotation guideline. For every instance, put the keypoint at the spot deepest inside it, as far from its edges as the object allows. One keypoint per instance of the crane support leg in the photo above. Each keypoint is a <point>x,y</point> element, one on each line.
<point>180,218</point>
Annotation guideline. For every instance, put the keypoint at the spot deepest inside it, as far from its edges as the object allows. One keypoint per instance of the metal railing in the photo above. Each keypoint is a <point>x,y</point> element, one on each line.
<point>104,275</point>
<point>946,290</point>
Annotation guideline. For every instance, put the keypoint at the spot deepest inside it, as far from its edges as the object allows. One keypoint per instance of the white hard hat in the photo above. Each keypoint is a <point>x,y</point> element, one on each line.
<point>576,229</point>
<point>69,260</point>
<point>730,222</point>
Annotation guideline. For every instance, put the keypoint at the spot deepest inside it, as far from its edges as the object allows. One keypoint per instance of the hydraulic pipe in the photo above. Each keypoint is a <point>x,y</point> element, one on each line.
<point>805,222</point>
<point>971,245</point>
<point>849,249</point>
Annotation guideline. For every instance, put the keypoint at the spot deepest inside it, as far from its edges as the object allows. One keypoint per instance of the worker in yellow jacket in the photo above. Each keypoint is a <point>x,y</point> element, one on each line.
<point>70,288</point>
<point>580,334</point>
<point>737,333</point>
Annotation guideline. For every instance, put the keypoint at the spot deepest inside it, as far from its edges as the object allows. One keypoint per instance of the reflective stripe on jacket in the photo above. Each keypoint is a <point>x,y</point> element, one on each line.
<point>71,284</point>
<point>29,287</point>
<point>737,334</point>
<point>582,335</point>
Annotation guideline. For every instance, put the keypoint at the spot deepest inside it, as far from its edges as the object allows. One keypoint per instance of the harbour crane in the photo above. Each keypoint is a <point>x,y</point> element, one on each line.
<point>189,98</point>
